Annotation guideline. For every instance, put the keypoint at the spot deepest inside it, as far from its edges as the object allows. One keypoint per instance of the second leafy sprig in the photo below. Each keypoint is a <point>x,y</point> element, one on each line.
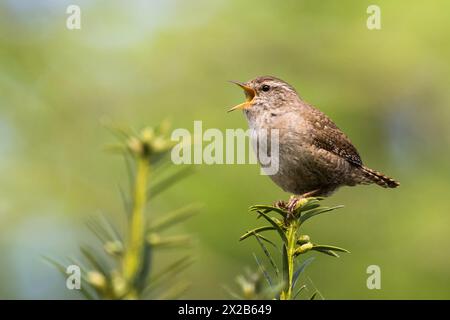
<point>124,268</point>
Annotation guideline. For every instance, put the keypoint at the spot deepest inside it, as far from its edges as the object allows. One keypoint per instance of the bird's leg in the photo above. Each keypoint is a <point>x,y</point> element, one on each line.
<point>292,204</point>
<point>284,205</point>
<point>310,193</point>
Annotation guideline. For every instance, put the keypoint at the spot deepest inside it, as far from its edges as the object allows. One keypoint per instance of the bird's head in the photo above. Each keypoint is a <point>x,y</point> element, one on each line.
<point>267,92</point>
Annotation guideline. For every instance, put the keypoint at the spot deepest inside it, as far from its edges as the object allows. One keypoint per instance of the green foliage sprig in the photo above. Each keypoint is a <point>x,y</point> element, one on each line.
<point>123,268</point>
<point>286,221</point>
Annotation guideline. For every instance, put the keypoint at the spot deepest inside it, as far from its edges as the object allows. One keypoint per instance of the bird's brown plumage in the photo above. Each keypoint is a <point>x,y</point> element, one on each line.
<point>314,153</point>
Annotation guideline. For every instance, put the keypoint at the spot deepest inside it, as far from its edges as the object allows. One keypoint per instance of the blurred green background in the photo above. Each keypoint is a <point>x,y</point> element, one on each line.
<point>139,62</point>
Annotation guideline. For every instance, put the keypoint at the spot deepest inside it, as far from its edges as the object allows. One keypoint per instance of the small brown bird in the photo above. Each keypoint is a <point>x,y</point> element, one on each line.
<point>315,156</point>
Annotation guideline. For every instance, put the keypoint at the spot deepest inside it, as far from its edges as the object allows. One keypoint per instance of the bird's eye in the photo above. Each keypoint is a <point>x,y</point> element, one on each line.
<point>265,88</point>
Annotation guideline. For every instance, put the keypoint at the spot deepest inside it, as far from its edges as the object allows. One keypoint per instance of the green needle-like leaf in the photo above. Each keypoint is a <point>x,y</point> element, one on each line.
<point>299,270</point>
<point>233,294</point>
<point>167,182</point>
<point>175,291</point>
<point>256,230</point>
<point>268,255</point>
<point>268,209</point>
<point>112,231</point>
<point>266,240</point>
<point>58,265</point>
<point>98,230</point>
<point>328,252</point>
<point>311,204</point>
<point>168,242</point>
<point>317,211</point>
<point>169,219</point>
<point>125,201</point>
<point>275,224</point>
<point>263,270</point>
<point>299,291</point>
<point>327,247</point>
<point>169,272</point>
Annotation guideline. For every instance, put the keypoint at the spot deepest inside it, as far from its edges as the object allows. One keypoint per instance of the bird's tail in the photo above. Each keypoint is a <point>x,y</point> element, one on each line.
<point>380,179</point>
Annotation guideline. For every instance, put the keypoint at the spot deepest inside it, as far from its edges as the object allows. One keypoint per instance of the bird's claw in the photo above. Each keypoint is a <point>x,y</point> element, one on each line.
<point>280,204</point>
<point>291,206</point>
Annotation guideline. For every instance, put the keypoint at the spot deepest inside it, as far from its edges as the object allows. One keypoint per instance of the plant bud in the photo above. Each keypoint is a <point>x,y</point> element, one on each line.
<point>147,134</point>
<point>159,144</point>
<point>119,284</point>
<point>114,248</point>
<point>96,279</point>
<point>303,248</point>
<point>153,239</point>
<point>135,145</point>
<point>303,239</point>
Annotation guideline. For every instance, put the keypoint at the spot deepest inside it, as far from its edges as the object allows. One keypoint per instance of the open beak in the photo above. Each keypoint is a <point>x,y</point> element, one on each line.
<point>249,95</point>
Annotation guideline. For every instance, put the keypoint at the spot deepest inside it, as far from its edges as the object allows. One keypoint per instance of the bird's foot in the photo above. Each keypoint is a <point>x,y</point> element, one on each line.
<point>281,204</point>
<point>296,200</point>
<point>291,206</point>
<point>287,207</point>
